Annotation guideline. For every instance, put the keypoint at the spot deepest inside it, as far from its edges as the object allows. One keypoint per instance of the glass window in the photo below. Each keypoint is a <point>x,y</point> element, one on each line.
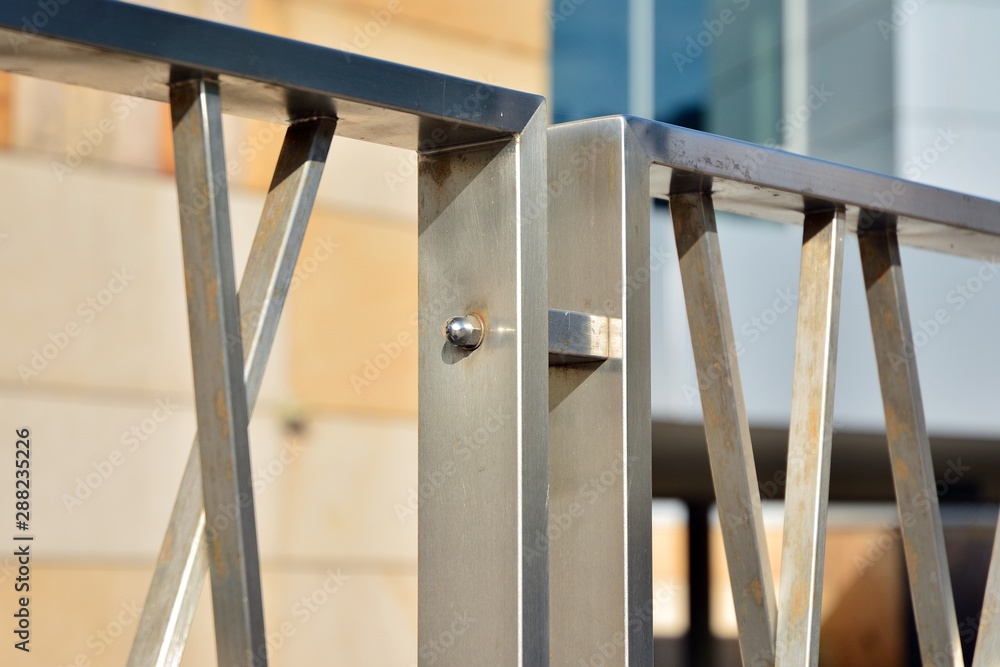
<point>716,64</point>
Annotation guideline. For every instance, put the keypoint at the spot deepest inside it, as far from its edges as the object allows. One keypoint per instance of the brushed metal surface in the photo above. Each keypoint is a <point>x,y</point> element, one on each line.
<point>909,449</point>
<point>599,536</point>
<point>183,561</point>
<point>726,428</point>
<point>482,464</point>
<point>767,183</point>
<point>217,360</point>
<point>134,50</point>
<point>576,338</point>
<point>807,489</point>
<point>987,650</point>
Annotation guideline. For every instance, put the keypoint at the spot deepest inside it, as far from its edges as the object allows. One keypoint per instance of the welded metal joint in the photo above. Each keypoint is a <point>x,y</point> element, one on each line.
<point>579,338</point>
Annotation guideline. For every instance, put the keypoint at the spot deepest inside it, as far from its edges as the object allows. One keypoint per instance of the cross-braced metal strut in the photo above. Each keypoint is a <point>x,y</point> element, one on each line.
<point>184,558</point>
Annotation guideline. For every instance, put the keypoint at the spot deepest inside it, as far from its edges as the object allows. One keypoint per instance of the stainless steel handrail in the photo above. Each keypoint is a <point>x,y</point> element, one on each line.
<point>630,160</point>
<point>476,143</point>
<point>533,246</point>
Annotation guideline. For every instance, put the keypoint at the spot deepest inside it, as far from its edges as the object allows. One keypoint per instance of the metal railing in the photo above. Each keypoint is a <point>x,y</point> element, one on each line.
<point>481,171</point>
<point>631,159</point>
<point>532,247</point>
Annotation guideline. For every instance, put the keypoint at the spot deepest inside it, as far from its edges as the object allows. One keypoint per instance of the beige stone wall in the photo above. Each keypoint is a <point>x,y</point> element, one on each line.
<point>90,212</point>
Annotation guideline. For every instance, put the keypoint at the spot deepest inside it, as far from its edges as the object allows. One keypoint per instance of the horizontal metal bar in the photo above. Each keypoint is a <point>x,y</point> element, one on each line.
<point>124,48</point>
<point>762,182</point>
<point>576,338</point>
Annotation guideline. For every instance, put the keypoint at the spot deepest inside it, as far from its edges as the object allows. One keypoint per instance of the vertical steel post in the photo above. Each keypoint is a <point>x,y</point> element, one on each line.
<point>726,428</point>
<point>809,440</point>
<point>482,418</point>
<point>217,355</point>
<point>600,523</point>
<point>909,449</point>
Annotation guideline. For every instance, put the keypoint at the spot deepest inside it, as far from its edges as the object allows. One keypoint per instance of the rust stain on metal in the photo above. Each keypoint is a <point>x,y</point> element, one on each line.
<point>218,557</point>
<point>168,545</point>
<point>222,411</point>
<point>901,469</point>
<point>799,604</point>
<point>757,591</point>
<point>439,169</point>
<point>814,424</point>
<point>211,301</point>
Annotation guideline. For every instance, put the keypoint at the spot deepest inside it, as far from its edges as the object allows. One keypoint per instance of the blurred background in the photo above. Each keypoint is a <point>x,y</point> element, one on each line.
<point>89,242</point>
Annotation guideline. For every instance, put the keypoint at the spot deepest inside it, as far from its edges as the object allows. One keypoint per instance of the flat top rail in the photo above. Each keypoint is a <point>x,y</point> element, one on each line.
<point>766,183</point>
<point>134,50</point>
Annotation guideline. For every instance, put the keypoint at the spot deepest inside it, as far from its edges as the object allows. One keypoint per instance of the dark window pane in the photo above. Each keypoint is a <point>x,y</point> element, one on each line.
<point>589,58</point>
<point>681,63</point>
<point>745,70</point>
